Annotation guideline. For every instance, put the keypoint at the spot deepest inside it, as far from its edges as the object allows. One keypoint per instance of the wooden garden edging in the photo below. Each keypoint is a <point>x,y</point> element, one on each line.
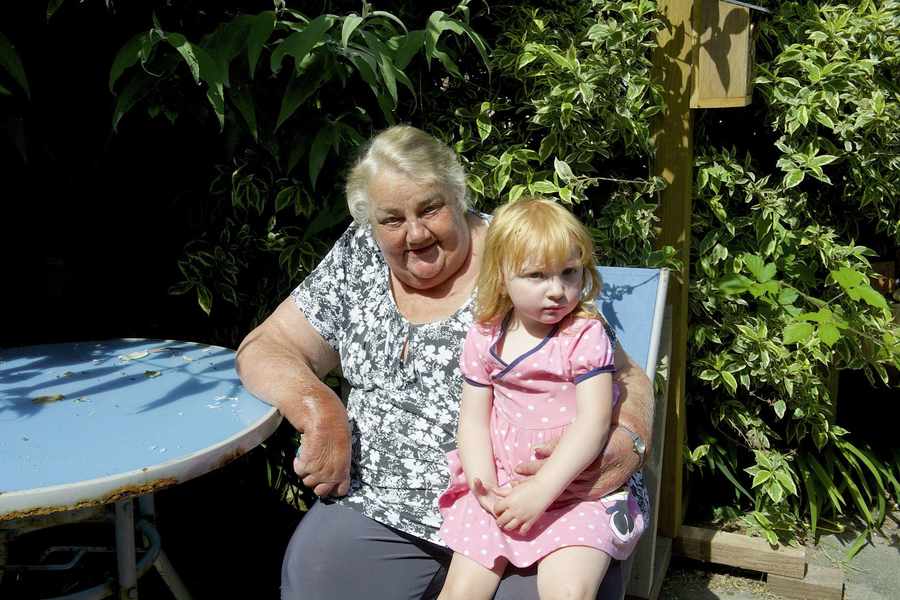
<point>787,572</point>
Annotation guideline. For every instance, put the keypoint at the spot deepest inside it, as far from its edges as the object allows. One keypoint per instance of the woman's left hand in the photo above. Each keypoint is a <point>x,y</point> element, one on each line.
<point>606,474</point>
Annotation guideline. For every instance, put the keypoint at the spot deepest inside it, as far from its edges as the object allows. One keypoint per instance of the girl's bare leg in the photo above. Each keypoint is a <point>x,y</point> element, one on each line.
<point>571,573</point>
<point>468,580</point>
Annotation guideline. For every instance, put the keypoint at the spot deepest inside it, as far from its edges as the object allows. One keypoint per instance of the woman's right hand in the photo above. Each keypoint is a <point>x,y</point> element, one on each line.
<point>323,461</point>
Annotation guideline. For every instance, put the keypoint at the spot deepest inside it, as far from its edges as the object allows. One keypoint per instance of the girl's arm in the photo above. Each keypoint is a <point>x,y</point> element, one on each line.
<point>585,438</point>
<point>579,446</point>
<point>474,438</point>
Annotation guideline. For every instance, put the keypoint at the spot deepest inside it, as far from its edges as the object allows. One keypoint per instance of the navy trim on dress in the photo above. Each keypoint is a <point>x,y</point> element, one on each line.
<point>476,383</point>
<point>492,349</point>
<point>513,364</point>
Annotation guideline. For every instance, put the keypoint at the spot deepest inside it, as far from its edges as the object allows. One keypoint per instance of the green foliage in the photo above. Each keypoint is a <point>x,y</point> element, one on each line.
<point>567,112</point>
<point>832,88</point>
<point>295,97</point>
<point>780,293</point>
<point>779,302</point>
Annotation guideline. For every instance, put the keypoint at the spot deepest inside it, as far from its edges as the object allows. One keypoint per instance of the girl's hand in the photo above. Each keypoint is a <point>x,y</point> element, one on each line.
<point>522,505</point>
<point>487,494</point>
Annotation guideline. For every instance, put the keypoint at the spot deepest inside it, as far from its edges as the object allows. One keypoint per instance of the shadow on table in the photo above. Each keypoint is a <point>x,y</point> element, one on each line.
<point>100,360</point>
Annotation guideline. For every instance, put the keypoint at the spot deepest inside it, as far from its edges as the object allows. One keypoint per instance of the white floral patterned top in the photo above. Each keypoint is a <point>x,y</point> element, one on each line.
<point>403,413</point>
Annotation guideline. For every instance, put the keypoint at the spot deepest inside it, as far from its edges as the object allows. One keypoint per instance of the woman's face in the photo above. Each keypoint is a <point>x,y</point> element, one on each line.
<point>423,235</point>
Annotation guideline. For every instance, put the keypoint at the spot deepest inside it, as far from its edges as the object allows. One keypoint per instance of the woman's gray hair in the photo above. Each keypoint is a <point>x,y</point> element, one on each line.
<point>414,154</point>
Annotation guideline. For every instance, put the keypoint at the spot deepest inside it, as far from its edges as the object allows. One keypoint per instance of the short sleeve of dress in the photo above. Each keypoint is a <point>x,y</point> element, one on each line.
<point>323,295</point>
<point>473,363</point>
<point>592,351</point>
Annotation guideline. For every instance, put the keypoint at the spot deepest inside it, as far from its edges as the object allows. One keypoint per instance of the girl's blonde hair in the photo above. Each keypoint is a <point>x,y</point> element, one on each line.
<point>536,231</point>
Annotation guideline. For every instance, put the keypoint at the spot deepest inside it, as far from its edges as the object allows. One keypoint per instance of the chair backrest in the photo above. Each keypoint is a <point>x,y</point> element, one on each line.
<point>632,301</point>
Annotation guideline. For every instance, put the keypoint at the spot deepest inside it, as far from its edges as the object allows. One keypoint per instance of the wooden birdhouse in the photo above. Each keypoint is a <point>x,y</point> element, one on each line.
<point>722,54</point>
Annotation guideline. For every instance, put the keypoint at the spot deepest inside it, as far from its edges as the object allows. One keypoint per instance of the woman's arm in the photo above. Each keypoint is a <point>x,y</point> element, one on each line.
<point>282,362</point>
<point>579,446</point>
<point>618,460</point>
<point>474,441</point>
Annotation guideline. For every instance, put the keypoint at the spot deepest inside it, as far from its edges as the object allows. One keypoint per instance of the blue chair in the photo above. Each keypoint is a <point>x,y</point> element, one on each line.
<point>633,303</point>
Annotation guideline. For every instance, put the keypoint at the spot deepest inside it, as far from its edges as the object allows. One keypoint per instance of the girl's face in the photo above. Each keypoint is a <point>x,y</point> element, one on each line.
<point>542,296</point>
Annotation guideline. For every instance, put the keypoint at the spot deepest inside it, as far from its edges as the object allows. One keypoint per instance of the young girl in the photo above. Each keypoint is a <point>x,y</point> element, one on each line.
<point>538,366</point>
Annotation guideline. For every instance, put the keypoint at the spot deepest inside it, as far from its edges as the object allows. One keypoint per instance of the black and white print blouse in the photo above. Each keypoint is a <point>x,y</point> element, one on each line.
<point>403,412</point>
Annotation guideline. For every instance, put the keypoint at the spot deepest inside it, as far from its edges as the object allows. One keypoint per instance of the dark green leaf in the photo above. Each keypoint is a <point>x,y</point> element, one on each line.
<point>299,44</point>
<point>260,30</point>
<point>723,468</point>
<point>351,22</point>
<point>52,7</point>
<point>242,100</point>
<point>299,89</point>
<point>10,62</point>
<point>211,74</point>
<point>411,44</point>
<point>319,151</point>
<point>126,57</point>
<point>186,50</point>
<point>133,93</point>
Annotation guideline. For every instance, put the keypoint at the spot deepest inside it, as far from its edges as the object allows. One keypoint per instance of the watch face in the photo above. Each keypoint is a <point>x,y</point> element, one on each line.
<point>639,446</point>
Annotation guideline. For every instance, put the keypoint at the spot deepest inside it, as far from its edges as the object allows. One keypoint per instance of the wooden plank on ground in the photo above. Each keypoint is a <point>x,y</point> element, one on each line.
<point>821,583</point>
<point>736,550</point>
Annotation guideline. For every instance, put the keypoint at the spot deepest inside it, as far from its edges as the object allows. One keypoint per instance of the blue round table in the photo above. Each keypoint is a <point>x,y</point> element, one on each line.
<point>93,423</point>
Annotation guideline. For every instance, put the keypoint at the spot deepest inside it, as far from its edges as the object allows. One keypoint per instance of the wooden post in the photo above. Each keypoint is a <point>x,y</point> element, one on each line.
<point>673,138</point>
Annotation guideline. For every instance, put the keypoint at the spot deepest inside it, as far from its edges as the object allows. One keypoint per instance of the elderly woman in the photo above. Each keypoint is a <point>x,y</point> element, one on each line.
<point>390,305</point>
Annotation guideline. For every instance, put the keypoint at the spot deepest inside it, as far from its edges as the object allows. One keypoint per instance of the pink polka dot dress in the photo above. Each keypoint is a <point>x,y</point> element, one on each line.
<point>533,402</point>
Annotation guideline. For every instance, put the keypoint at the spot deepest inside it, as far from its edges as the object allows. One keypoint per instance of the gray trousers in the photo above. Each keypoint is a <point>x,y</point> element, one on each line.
<point>339,554</point>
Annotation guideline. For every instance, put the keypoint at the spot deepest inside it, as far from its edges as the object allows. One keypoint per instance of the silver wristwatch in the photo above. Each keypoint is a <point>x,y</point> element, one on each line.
<point>637,445</point>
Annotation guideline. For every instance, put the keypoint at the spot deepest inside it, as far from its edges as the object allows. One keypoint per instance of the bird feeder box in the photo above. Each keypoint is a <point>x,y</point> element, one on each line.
<point>722,54</point>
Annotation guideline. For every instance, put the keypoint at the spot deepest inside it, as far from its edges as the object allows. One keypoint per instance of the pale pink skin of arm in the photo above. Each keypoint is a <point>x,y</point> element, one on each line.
<point>282,362</point>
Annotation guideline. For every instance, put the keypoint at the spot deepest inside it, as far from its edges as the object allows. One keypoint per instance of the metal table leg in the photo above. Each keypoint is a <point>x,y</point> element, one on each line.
<point>163,565</point>
<point>126,556</point>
